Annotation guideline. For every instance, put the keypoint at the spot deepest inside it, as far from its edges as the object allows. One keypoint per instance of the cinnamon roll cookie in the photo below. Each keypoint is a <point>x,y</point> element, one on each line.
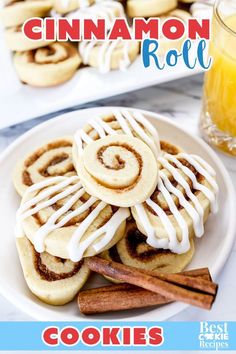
<point>107,55</point>
<point>49,160</point>
<point>59,217</point>
<point>53,280</point>
<point>134,251</point>
<point>17,41</point>
<point>40,67</point>
<point>116,168</point>
<point>177,210</point>
<point>149,8</point>
<point>15,13</point>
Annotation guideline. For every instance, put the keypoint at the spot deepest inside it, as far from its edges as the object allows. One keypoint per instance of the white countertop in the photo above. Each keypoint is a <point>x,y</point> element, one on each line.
<point>181,101</point>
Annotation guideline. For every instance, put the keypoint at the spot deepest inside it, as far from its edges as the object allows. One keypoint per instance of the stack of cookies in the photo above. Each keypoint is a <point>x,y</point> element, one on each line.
<point>43,64</point>
<point>113,190</point>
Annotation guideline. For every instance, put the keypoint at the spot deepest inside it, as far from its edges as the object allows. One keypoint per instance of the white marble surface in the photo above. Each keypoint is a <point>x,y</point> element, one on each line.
<point>181,101</point>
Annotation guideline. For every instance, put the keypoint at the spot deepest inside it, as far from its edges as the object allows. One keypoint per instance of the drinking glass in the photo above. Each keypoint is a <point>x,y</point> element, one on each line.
<point>218,117</point>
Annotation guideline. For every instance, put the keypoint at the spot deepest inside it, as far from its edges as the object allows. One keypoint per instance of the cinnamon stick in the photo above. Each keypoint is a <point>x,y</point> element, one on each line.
<point>136,277</point>
<point>117,298</point>
<point>104,299</point>
<point>187,281</point>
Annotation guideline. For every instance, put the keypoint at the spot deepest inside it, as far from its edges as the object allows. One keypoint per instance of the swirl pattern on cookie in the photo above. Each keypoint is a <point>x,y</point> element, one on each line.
<point>40,67</point>
<point>59,217</point>
<point>134,251</point>
<point>116,169</point>
<point>49,160</point>
<point>185,194</point>
<point>54,280</point>
<point>109,55</point>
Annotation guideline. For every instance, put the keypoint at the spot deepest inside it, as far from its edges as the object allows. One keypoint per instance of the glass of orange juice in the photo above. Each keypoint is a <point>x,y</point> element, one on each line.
<point>218,118</point>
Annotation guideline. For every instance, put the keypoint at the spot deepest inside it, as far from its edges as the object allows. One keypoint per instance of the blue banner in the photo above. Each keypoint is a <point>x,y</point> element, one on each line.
<point>107,336</point>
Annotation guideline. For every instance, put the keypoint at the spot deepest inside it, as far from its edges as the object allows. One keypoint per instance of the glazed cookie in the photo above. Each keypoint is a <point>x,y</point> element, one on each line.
<point>17,12</point>
<point>120,121</point>
<point>184,196</point>
<point>40,67</point>
<point>65,6</point>
<point>59,217</point>
<point>149,8</point>
<point>52,159</point>
<point>17,41</point>
<point>109,55</point>
<point>53,280</point>
<point>134,251</point>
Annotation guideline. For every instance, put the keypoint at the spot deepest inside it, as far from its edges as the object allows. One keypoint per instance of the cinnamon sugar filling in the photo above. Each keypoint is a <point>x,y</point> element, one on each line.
<point>49,275</point>
<point>155,197</point>
<point>120,164</point>
<point>26,178</point>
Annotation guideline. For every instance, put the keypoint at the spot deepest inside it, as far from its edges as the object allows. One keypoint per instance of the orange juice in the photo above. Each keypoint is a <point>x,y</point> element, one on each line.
<point>220,80</point>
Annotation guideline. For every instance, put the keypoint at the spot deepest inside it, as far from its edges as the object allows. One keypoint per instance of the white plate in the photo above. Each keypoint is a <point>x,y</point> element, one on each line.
<point>211,251</point>
<point>86,86</point>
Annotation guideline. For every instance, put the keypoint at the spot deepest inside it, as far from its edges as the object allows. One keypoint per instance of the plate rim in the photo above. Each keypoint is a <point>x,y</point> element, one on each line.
<point>21,303</point>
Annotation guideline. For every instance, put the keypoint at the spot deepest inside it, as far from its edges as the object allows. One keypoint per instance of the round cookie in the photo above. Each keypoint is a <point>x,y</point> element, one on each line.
<point>17,41</point>
<point>53,280</point>
<point>52,159</point>
<point>184,196</point>
<point>116,169</point>
<point>59,217</point>
<point>149,8</point>
<point>40,67</point>
<point>134,251</point>
<point>108,55</point>
<point>121,121</point>
<point>17,12</point>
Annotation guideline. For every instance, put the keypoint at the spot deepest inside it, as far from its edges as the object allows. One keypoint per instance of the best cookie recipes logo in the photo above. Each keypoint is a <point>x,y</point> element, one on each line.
<point>164,43</point>
<point>113,336</point>
<point>213,336</point>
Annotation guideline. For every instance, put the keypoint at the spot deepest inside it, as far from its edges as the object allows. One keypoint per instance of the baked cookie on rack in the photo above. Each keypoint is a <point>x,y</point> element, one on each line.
<point>15,13</point>
<point>40,67</point>
<point>53,280</point>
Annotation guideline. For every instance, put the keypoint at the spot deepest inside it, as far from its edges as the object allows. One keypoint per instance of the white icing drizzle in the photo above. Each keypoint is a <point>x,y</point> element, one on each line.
<point>60,188</point>
<point>126,120</point>
<point>190,203</point>
<point>105,52</point>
